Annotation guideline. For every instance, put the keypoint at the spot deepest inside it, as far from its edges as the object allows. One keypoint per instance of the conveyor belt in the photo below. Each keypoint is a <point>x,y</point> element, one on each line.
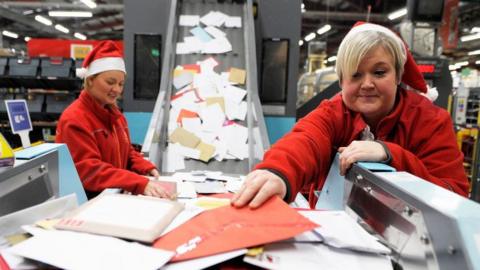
<point>243,55</point>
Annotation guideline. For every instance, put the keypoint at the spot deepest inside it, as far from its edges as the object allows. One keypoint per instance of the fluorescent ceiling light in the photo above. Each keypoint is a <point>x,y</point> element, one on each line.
<point>470,37</point>
<point>475,29</point>
<point>80,36</point>
<point>62,28</point>
<point>61,13</point>
<point>89,3</point>
<point>28,12</point>
<point>324,29</point>
<point>300,42</point>
<point>476,52</point>
<point>397,14</point>
<point>477,62</point>
<point>332,58</point>
<point>9,34</point>
<point>43,20</point>
<point>463,63</point>
<point>27,39</point>
<point>310,36</point>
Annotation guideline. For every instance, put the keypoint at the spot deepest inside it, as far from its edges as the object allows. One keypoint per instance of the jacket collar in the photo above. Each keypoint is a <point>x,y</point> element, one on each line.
<point>107,116</point>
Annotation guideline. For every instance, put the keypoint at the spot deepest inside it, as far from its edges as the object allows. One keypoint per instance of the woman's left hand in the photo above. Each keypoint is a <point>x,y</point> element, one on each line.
<point>154,173</point>
<point>360,151</point>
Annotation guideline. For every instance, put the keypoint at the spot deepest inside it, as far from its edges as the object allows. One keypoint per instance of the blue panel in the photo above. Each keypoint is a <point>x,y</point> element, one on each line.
<point>138,125</point>
<point>68,176</point>
<point>278,126</point>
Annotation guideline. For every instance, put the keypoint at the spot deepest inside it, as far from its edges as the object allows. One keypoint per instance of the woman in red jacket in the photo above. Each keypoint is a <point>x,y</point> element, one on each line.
<point>373,118</point>
<point>96,132</point>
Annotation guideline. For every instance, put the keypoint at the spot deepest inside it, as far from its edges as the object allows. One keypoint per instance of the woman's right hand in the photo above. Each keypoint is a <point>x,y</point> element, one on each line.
<point>259,186</point>
<point>155,189</point>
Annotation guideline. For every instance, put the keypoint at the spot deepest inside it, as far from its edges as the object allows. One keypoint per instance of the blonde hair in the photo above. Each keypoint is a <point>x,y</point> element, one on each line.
<point>358,43</point>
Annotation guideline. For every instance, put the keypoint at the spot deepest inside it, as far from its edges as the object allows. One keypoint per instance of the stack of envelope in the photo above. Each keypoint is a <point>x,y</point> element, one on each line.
<point>206,112</point>
<point>206,34</point>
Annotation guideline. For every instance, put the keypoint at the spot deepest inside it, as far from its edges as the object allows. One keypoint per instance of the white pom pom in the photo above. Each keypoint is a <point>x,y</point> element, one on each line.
<point>81,72</point>
<point>432,93</point>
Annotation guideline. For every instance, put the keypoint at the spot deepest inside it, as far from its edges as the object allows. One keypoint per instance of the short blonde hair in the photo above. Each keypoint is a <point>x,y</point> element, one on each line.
<point>358,43</point>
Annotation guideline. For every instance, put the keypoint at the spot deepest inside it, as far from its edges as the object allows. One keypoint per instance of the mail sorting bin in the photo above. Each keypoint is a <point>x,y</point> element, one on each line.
<point>24,71</point>
<point>4,78</point>
<point>58,73</point>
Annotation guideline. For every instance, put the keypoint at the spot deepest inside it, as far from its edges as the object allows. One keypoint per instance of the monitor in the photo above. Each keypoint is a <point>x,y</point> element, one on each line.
<point>29,183</point>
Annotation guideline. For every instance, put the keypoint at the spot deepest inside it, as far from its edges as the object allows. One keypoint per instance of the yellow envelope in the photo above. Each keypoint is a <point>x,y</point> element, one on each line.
<point>184,137</point>
<point>237,75</point>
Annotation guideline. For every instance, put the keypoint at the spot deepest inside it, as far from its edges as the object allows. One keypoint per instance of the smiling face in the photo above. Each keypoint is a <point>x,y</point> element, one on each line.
<point>372,88</point>
<point>106,87</point>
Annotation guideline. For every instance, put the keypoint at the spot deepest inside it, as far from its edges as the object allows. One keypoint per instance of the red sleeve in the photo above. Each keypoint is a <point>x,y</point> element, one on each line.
<point>304,154</point>
<point>95,174</point>
<point>436,158</point>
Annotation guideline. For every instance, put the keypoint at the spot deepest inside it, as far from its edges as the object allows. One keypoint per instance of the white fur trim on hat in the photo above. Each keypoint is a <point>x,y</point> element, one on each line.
<point>432,93</point>
<point>105,64</point>
<point>81,72</point>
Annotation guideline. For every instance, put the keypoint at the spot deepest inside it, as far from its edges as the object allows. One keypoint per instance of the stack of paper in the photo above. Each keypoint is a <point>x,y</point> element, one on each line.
<point>140,218</point>
<point>204,114</point>
<point>207,38</point>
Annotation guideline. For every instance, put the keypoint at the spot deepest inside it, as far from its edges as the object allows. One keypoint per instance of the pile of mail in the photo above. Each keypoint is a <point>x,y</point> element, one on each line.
<point>206,114</point>
<point>208,39</point>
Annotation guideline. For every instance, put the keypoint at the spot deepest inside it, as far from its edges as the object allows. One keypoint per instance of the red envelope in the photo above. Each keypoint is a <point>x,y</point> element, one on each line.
<point>228,228</point>
<point>193,67</point>
<point>186,114</point>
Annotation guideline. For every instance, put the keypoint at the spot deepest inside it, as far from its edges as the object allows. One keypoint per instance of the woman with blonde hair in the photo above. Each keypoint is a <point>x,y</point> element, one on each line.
<point>373,118</point>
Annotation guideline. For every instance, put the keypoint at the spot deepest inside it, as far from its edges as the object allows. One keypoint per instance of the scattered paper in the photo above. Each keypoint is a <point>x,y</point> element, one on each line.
<point>233,22</point>
<point>72,250</point>
<point>189,20</point>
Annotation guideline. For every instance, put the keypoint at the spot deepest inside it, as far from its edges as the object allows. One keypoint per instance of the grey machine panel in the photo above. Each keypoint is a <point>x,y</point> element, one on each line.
<point>29,183</point>
<point>407,218</point>
<point>243,55</point>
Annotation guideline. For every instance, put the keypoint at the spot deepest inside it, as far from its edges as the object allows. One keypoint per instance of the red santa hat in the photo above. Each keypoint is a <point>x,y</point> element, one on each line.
<point>412,77</point>
<point>104,57</point>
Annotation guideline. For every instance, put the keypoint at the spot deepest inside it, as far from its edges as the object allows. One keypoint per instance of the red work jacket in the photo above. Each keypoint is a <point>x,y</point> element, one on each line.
<point>419,135</point>
<point>99,142</point>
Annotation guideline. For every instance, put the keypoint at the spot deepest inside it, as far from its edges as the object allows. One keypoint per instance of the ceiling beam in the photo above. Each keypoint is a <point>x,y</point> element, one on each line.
<point>59,5</point>
<point>342,16</point>
<point>30,22</point>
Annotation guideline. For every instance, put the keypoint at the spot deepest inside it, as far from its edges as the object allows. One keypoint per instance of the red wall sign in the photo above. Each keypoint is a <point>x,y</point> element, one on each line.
<point>77,49</point>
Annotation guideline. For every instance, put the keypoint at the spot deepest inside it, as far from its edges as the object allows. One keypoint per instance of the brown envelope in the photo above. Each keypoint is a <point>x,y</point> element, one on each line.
<point>237,75</point>
<point>184,137</point>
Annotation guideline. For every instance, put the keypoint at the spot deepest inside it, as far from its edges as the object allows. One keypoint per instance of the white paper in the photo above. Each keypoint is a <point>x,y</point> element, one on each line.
<point>192,124</point>
<point>183,48</point>
<point>201,34</point>
<point>212,117</point>
<point>188,213</point>
<point>214,18</point>
<point>188,152</point>
<point>239,151</point>
<point>233,21</point>
<point>215,32</point>
<point>189,20</point>
<point>315,256</point>
<point>340,230</point>
<point>234,93</point>
<point>182,80</point>
<point>124,210</point>
<point>217,45</point>
<point>193,43</point>
<point>184,176</point>
<point>204,262</point>
<point>73,250</point>
<point>175,160</point>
